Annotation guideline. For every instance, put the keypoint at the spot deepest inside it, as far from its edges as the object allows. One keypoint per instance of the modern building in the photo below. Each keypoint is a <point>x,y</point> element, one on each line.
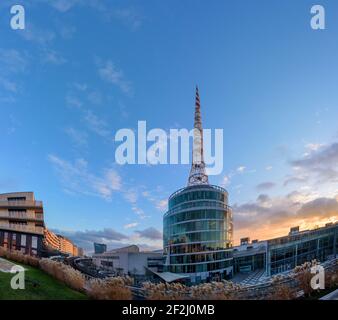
<point>285,253</point>
<point>57,244</point>
<point>198,228</point>
<point>21,223</point>
<point>129,261</point>
<point>100,248</point>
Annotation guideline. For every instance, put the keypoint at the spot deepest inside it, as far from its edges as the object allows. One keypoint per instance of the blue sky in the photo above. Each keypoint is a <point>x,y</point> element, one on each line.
<point>81,70</point>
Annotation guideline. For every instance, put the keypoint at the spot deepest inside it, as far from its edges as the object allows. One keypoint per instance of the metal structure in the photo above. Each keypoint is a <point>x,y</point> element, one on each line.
<point>197,174</point>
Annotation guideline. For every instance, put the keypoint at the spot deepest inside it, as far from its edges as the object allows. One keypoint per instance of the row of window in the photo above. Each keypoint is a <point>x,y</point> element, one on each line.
<point>198,247</point>
<point>198,258</point>
<point>219,235</point>
<point>213,266</point>
<point>198,195</point>
<point>196,215</point>
<point>198,203</point>
<point>195,226</point>
<point>302,248</point>
<point>20,242</point>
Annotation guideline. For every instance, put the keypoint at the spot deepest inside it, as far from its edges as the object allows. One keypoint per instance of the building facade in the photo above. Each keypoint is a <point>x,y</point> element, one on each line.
<point>129,261</point>
<point>99,248</point>
<point>21,223</point>
<point>197,228</point>
<point>55,244</point>
<point>285,253</point>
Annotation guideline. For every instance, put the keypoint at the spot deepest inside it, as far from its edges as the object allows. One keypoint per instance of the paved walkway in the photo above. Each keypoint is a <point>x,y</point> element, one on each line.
<point>251,278</point>
<point>5,266</point>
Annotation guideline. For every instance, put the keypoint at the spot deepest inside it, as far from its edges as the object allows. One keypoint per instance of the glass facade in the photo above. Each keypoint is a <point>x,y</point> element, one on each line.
<point>288,252</point>
<point>197,231</point>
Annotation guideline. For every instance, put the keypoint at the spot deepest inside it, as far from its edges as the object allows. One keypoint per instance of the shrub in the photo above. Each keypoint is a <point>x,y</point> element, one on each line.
<point>109,289</point>
<point>64,273</point>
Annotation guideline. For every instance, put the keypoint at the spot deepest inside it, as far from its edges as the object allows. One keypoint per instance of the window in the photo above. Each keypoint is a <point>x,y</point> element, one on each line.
<point>34,242</point>
<point>23,240</point>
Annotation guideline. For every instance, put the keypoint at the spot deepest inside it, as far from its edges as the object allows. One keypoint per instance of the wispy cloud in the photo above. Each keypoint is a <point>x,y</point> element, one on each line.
<point>40,36</point>
<point>79,138</point>
<point>53,57</point>
<point>96,124</point>
<point>131,225</point>
<point>77,179</point>
<point>111,74</point>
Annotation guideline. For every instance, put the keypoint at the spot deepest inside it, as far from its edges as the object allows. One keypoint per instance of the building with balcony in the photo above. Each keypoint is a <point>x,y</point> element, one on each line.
<point>197,228</point>
<point>21,223</point>
<point>55,244</point>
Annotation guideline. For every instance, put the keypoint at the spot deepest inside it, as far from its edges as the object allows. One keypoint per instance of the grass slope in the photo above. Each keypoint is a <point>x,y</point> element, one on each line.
<point>39,286</point>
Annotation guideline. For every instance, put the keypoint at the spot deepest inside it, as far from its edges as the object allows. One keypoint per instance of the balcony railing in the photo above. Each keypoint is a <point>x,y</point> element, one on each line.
<point>20,204</point>
<point>21,215</point>
<point>22,228</point>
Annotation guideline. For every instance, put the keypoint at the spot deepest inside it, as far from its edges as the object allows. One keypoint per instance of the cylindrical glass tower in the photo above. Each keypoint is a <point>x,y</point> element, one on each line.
<point>197,231</point>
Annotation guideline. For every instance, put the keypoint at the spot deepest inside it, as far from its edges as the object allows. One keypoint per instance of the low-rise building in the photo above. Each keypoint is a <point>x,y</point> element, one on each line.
<point>285,253</point>
<point>129,261</point>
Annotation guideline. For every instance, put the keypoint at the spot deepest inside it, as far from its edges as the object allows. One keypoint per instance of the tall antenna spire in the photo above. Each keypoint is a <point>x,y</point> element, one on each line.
<point>197,172</point>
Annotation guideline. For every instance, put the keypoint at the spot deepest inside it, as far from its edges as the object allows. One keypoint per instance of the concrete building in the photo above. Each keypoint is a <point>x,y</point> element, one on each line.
<point>21,223</point>
<point>129,261</point>
<point>197,228</point>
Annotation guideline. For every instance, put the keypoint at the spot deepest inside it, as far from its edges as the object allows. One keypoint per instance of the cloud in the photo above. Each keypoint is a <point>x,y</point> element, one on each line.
<point>79,138</point>
<point>108,72</point>
<point>226,181</point>
<point>162,205</point>
<point>40,36</point>
<point>129,16</point>
<point>73,101</point>
<point>241,169</point>
<point>321,163</point>
<point>131,225</point>
<point>150,233</point>
<point>52,57</point>
<point>265,186</point>
<point>63,5</point>
<point>96,124</point>
<point>269,217</point>
<point>146,239</point>
<point>8,85</point>
<point>77,179</point>
<point>321,208</point>
<point>13,61</point>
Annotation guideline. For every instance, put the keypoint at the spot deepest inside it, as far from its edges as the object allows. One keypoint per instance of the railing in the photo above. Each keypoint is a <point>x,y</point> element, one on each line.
<point>21,215</point>
<point>22,228</point>
<point>206,186</point>
<point>20,203</point>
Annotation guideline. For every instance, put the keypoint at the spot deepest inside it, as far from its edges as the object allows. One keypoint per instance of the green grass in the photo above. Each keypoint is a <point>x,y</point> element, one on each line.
<point>47,288</point>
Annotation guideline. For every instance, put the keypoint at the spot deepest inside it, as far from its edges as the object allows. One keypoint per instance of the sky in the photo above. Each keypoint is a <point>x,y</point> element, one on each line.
<point>81,70</point>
